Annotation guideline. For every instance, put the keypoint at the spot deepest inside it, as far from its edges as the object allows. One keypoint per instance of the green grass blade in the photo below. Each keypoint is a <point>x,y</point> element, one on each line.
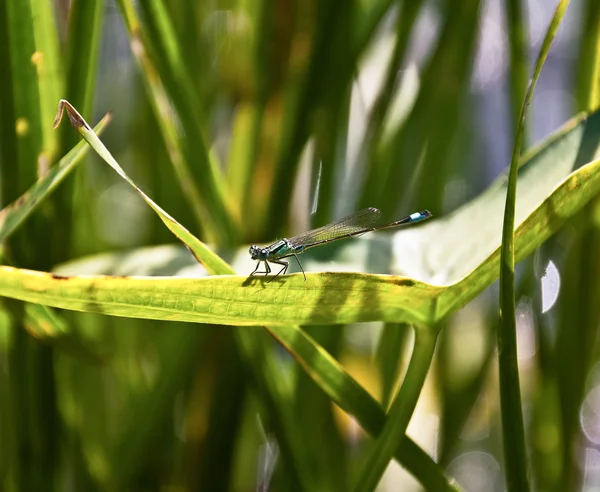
<point>368,19</point>
<point>462,382</point>
<point>205,193</point>
<point>588,77</point>
<point>544,217</point>
<point>225,421</point>
<point>579,315</point>
<point>377,167</point>
<point>232,300</point>
<point>32,70</point>
<point>211,261</point>
<point>25,102</point>
<point>327,453</point>
<point>390,351</point>
<point>542,174</point>
<point>203,183</point>
<point>306,94</point>
<point>242,167</point>
<point>330,61</point>
<point>577,335</point>
<point>275,393</point>
<point>330,376</point>
<point>9,143</point>
<point>244,156</point>
<point>515,456</point>
<point>401,410</point>
<point>331,129</point>
<point>424,141</point>
<point>47,62</point>
<point>13,215</point>
<point>81,53</point>
<point>178,351</point>
<point>547,219</point>
<point>519,72</point>
<point>83,45</point>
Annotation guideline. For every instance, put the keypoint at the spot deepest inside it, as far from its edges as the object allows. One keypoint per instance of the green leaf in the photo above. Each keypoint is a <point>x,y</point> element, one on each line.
<point>358,297</point>
<point>588,63</point>
<point>212,262</point>
<point>513,430</point>
<point>13,215</point>
<point>32,77</point>
<point>401,410</point>
<point>231,300</point>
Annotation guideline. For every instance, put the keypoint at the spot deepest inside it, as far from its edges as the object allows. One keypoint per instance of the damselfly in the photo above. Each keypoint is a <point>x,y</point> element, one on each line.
<point>358,223</point>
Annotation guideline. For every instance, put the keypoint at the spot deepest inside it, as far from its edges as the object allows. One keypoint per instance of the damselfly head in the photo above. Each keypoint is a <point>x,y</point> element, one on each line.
<point>258,253</point>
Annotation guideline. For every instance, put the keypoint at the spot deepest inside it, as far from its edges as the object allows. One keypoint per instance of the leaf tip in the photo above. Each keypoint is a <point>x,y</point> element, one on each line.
<point>59,113</point>
<point>74,117</point>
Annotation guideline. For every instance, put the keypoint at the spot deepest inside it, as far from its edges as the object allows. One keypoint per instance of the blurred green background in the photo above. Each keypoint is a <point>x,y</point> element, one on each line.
<point>251,120</point>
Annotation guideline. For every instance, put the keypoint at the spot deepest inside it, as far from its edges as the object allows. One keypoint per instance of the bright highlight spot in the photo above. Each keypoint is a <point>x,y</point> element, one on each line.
<point>37,58</point>
<point>476,471</point>
<point>526,344</point>
<point>550,287</point>
<point>22,127</point>
<point>590,415</point>
<point>591,480</point>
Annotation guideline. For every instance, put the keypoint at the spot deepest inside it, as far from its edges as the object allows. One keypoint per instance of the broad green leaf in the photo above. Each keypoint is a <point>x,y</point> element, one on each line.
<point>232,300</point>
<point>466,267</point>
<point>458,249</point>
<point>325,298</point>
<point>471,265</point>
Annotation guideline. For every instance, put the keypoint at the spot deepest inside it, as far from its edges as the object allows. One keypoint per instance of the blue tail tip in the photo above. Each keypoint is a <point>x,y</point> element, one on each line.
<point>422,215</point>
